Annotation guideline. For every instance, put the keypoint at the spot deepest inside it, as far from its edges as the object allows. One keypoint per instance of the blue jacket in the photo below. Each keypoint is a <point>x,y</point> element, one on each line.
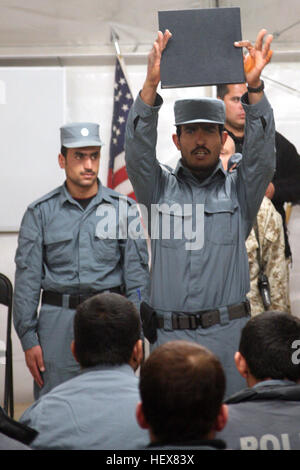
<point>93,411</point>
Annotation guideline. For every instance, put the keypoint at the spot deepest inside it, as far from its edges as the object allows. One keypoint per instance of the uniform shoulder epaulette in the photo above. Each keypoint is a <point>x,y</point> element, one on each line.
<point>46,197</point>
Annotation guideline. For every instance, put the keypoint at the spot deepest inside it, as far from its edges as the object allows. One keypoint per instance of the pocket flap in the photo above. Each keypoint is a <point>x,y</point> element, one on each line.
<point>226,205</point>
<point>51,238</point>
<point>174,208</point>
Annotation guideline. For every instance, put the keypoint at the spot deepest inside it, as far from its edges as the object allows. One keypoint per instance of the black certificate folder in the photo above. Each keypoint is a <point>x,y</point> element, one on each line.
<point>201,50</point>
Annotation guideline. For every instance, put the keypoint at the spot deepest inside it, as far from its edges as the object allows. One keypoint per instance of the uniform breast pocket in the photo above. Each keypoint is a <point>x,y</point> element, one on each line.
<point>221,222</point>
<point>169,223</point>
<point>106,249</point>
<point>59,248</point>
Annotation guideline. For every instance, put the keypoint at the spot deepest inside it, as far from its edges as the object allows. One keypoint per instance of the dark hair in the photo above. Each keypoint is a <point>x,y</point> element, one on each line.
<point>178,130</point>
<point>266,345</point>
<point>182,387</point>
<point>63,151</point>
<point>222,90</point>
<point>106,328</point>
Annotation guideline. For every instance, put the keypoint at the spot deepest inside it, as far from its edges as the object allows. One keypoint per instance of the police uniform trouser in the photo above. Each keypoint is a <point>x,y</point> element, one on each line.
<point>221,339</point>
<point>55,332</point>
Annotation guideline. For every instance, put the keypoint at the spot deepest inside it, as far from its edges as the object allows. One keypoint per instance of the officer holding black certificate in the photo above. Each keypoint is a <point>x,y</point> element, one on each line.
<point>199,286</point>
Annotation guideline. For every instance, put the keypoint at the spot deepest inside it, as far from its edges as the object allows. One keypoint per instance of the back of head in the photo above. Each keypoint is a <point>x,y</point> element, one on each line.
<point>266,345</point>
<point>106,328</point>
<point>182,387</point>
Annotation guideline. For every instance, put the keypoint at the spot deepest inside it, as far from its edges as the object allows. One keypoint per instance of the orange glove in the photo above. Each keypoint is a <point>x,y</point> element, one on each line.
<point>249,61</point>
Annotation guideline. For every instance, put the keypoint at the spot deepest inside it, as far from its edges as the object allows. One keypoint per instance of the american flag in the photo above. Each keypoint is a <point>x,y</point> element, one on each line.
<point>117,174</point>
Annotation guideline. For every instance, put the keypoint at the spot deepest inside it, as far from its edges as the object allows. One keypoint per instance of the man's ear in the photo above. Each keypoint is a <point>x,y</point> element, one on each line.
<point>241,365</point>
<point>61,161</point>
<point>140,417</point>
<point>176,141</point>
<point>222,418</point>
<point>73,350</point>
<point>224,137</point>
<point>137,355</point>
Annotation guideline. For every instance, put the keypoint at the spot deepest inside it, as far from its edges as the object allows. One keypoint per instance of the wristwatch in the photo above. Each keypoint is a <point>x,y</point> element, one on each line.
<point>258,89</point>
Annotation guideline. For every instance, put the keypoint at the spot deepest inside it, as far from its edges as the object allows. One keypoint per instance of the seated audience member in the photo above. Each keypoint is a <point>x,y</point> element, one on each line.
<point>95,409</point>
<point>266,415</point>
<point>182,387</point>
<point>266,251</point>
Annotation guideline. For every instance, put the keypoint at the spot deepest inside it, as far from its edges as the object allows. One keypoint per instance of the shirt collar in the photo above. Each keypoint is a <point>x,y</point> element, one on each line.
<point>125,368</point>
<point>102,194</point>
<point>181,170</point>
<point>273,382</point>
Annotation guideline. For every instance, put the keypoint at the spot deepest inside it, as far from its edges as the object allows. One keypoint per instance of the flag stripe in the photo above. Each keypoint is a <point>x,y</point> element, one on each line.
<point>117,174</point>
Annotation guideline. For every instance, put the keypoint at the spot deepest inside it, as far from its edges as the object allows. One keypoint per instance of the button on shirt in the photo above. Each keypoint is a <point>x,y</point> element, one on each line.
<point>65,249</point>
<point>216,274</point>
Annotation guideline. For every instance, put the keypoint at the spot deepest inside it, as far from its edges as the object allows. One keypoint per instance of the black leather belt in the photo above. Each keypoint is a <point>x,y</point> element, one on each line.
<point>205,319</point>
<point>55,298</point>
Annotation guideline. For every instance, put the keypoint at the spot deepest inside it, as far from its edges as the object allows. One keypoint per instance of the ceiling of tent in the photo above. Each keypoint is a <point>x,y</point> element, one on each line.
<point>60,28</point>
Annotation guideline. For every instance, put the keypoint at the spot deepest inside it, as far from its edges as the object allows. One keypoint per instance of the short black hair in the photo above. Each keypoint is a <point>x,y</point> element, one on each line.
<point>182,386</point>
<point>106,328</point>
<point>222,90</point>
<point>266,345</point>
<point>63,151</point>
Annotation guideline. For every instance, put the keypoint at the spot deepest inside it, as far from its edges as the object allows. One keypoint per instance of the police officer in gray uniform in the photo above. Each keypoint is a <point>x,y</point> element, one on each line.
<point>198,293</point>
<point>72,244</point>
<point>266,415</point>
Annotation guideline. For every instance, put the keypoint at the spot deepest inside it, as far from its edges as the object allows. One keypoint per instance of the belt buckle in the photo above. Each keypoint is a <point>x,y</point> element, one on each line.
<point>207,319</point>
<point>193,322</point>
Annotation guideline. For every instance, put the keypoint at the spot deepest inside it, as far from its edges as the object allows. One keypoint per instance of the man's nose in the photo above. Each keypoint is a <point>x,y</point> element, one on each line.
<point>88,164</point>
<point>200,137</point>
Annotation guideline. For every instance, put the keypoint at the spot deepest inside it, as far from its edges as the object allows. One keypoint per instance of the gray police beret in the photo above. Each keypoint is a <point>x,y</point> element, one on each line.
<point>80,134</point>
<point>199,110</point>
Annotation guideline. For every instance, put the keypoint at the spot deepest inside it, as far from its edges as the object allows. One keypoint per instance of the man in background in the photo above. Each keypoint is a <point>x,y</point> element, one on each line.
<point>269,278</point>
<point>285,185</point>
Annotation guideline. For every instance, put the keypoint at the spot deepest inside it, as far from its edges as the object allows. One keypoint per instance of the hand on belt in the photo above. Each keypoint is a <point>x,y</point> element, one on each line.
<point>56,298</point>
<point>205,319</point>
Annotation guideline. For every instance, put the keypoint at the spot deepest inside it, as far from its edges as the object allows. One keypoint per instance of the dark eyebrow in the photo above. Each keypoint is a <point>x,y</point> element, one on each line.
<point>80,154</point>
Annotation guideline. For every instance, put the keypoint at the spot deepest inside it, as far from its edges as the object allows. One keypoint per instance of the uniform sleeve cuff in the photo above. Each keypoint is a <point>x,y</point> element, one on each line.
<point>144,110</point>
<point>258,109</point>
<point>29,340</point>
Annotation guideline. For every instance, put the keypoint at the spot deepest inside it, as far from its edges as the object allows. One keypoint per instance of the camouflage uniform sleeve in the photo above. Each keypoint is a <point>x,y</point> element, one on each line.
<point>274,256</point>
<point>271,238</point>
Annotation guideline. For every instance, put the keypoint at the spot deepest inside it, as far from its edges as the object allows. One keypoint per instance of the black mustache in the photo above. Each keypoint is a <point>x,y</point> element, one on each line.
<point>200,148</point>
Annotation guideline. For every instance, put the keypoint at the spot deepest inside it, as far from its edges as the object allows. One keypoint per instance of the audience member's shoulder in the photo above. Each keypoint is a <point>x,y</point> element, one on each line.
<point>7,443</point>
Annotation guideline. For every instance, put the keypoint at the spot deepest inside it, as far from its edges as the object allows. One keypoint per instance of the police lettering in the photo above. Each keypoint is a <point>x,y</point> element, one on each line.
<point>266,442</point>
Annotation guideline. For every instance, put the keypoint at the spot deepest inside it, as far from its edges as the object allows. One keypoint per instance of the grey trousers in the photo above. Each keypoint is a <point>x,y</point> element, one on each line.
<point>221,339</point>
